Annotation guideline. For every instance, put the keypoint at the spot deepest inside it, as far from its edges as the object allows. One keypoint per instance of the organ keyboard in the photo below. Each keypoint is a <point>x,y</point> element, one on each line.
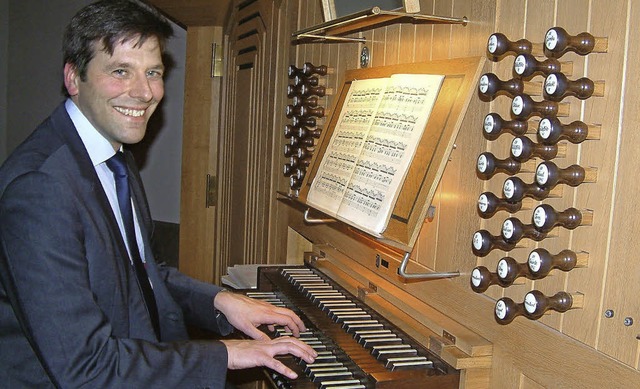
<point>357,347</point>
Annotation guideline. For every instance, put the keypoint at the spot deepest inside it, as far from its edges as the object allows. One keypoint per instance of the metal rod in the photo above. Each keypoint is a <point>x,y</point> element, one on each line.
<point>311,220</point>
<point>423,276</point>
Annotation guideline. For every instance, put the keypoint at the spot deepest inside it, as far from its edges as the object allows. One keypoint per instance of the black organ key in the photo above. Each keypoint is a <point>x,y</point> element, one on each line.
<point>361,334</point>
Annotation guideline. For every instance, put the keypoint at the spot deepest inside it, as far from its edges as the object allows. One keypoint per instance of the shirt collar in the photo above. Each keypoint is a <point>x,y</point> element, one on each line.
<point>97,146</point>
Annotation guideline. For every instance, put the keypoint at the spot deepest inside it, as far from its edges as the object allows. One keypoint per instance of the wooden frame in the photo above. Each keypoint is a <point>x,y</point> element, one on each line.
<point>334,9</point>
<point>423,176</point>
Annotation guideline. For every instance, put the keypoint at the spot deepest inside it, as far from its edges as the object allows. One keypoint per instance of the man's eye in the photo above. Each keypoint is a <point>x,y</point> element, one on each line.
<point>154,74</point>
<point>120,72</point>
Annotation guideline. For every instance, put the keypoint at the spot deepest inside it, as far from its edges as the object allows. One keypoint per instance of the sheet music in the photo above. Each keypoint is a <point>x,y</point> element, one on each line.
<point>371,148</point>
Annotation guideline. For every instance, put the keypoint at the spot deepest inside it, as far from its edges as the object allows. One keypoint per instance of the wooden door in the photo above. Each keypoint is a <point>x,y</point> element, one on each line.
<point>199,154</point>
<point>246,136</point>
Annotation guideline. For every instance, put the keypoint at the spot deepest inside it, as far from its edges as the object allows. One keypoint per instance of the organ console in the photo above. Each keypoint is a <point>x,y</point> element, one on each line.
<point>513,231</point>
<point>495,125</point>
<point>557,42</point>
<point>545,218</point>
<point>524,107</point>
<point>540,261</point>
<point>523,149</point>
<point>499,45</point>
<point>357,348</point>
<point>483,243</point>
<point>548,175</point>
<point>489,204</point>
<point>488,165</point>
<point>490,86</point>
<point>557,87</point>
<point>551,131</point>
<point>527,66</point>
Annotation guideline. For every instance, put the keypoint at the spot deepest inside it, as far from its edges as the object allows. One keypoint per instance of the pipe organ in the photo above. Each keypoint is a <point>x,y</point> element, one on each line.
<point>516,226</point>
<point>534,205</point>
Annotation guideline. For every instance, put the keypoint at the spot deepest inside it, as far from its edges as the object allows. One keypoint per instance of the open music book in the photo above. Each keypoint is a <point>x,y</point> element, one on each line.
<point>371,148</point>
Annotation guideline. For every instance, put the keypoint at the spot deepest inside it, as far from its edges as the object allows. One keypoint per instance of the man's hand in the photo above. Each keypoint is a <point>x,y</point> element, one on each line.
<point>246,314</point>
<point>244,354</point>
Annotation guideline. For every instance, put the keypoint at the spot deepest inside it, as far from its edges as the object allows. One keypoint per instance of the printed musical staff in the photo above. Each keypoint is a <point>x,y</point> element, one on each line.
<point>372,145</point>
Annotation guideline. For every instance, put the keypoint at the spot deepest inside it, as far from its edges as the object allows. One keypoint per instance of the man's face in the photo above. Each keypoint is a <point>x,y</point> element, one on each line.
<point>121,91</point>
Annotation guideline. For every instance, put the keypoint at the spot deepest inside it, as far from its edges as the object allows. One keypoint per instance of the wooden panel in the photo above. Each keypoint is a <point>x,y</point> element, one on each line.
<point>200,129</point>
<point>622,267</point>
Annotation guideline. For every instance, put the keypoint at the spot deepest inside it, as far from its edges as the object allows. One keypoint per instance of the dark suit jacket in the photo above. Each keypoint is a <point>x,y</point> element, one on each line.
<point>71,313</point>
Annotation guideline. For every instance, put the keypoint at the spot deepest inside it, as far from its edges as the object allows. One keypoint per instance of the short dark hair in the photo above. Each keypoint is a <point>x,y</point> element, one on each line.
<point>111,22</point>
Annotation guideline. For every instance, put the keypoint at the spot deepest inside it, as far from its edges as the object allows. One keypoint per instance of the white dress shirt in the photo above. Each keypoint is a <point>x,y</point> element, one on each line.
<point>100,150</point>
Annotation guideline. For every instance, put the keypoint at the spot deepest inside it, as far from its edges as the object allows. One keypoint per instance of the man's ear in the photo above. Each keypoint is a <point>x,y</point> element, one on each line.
<point>71,79</point>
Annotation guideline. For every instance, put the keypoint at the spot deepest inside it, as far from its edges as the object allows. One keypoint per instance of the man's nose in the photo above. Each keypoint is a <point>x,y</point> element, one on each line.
<point>141,89</point>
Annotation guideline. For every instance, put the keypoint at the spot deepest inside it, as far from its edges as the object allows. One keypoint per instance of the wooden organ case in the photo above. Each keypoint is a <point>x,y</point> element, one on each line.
<point>593,345</point>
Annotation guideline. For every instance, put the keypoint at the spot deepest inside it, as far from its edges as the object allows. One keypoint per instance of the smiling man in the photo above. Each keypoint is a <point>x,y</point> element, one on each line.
<point>83,302</point>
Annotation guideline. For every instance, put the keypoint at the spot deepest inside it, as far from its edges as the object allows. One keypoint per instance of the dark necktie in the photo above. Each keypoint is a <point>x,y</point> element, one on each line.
<point>118,166</point>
